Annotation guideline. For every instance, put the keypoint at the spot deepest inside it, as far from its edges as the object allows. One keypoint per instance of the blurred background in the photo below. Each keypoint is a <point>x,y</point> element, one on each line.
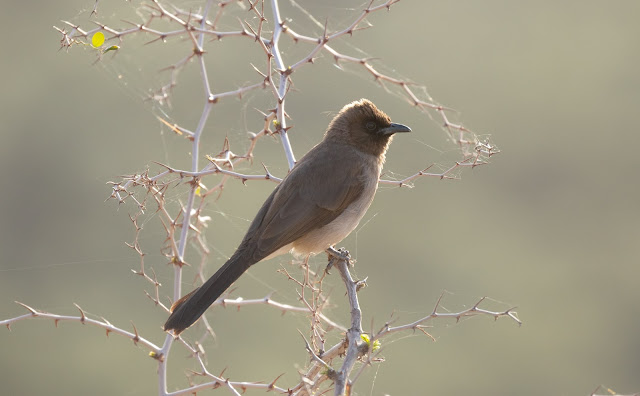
<point>550,226</point>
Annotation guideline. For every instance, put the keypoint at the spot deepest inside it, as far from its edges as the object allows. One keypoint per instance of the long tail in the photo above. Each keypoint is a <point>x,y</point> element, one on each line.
<point>189,308</point>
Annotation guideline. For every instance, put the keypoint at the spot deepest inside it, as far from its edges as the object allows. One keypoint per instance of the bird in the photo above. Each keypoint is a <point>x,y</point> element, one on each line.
<point>317,204</point>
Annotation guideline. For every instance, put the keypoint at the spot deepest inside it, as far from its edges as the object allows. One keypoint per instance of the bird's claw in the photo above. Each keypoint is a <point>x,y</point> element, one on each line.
<point>337,255</point>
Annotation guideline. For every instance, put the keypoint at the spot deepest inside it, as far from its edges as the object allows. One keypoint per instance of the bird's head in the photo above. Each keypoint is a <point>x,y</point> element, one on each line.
<point>364,126</point>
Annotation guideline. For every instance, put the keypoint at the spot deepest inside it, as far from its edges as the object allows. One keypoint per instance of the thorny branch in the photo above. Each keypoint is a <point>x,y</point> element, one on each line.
<point>185,226</point>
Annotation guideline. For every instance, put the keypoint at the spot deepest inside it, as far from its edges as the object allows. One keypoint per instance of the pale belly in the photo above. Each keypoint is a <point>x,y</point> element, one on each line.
<point>321,238</point>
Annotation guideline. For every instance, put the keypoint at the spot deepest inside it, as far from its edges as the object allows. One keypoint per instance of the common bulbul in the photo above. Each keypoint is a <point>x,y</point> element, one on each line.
<point>315,206</point>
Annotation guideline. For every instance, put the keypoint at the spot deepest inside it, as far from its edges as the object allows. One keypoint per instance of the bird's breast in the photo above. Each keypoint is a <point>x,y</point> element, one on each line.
<point>320,239</point>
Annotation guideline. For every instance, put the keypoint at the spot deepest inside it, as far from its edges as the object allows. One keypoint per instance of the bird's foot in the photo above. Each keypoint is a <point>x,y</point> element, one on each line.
<point>341,254</point>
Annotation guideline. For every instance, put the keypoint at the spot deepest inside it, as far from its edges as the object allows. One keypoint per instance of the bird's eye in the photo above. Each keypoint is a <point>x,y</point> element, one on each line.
<point>371,126</point>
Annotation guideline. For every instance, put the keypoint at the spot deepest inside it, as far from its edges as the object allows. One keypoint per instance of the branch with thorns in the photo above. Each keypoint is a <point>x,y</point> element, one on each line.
<point>187,225</point>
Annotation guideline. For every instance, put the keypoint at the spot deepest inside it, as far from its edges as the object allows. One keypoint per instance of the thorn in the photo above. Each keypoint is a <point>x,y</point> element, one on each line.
<point>435,309</point>
<point>324,34</point>
<point>170,169</point>
<point>268,296</point>
<point>33,311</point>
<point>137,337</point>
<point>82,316</point>
<point>273,383</point>
<point>259,72</point>
<point>268,176</point>
<point>478,303</point>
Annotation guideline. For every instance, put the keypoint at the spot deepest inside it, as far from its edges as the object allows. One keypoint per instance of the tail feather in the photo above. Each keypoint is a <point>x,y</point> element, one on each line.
<point>189,308</point>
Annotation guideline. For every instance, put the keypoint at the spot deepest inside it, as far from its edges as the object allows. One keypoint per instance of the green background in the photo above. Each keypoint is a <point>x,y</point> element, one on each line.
<point>550,226</point>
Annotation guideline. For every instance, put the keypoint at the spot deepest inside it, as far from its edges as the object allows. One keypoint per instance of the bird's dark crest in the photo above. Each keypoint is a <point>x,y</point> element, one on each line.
<point>365,111</point>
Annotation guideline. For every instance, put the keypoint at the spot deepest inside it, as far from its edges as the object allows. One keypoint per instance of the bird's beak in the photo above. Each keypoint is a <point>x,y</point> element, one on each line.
<point>394,128</point>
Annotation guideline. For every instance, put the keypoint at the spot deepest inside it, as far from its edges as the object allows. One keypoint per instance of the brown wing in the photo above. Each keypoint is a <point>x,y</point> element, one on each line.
<point>319,188</point>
